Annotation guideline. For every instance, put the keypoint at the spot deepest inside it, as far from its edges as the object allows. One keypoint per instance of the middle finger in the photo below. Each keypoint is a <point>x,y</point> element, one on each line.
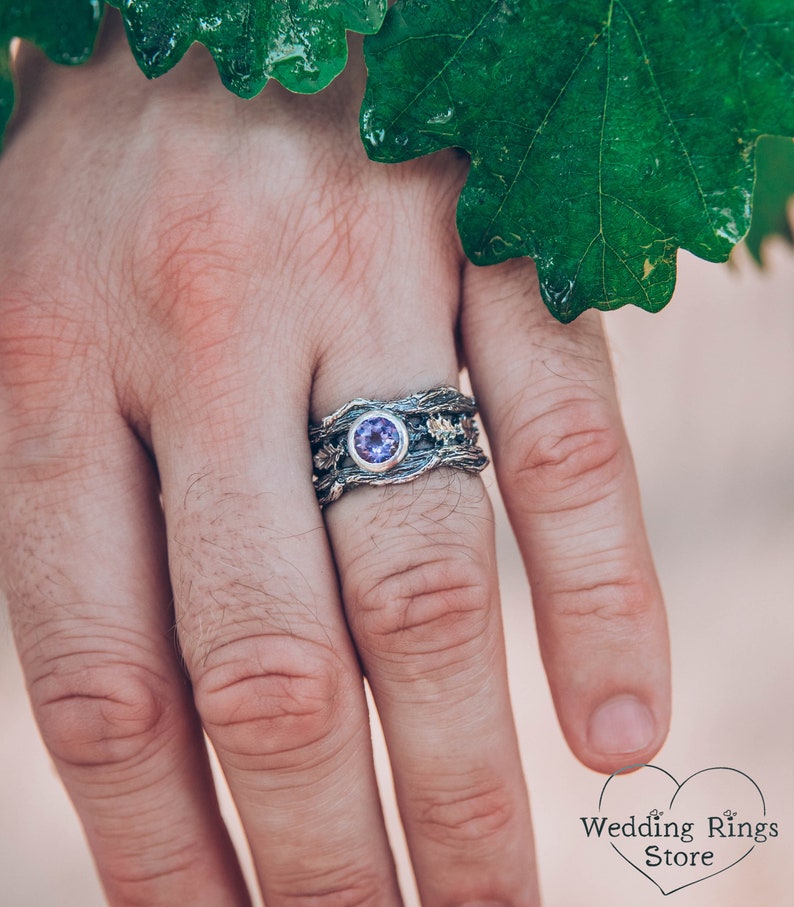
<point>275,678</point>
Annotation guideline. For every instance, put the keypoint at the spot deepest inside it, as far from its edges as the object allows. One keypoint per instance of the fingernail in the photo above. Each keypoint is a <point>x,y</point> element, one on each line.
<point>621,725</point>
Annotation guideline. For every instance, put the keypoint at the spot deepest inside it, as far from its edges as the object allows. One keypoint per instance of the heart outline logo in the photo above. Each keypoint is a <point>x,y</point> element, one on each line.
<point>677,794</point>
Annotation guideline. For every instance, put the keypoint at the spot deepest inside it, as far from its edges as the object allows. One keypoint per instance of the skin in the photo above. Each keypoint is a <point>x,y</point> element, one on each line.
<point>188,278</point>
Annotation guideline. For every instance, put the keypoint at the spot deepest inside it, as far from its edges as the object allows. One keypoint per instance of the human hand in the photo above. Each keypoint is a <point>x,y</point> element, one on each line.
<point>188,279</point>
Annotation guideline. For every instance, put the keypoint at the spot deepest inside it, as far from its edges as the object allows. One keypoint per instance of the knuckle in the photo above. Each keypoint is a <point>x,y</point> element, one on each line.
<point>571,448</point>
<point>348,887</point>
<point>101,715</point>
<point>133,876</point>
<point>267,675</point>
<point>475,817</point>
<point>268,699</point>
<point>619,602</point>
<point>186,276</point>
<point>435,602</point>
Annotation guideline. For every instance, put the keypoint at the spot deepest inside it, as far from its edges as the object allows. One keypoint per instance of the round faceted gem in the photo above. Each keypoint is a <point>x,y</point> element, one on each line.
<point>378,441</point>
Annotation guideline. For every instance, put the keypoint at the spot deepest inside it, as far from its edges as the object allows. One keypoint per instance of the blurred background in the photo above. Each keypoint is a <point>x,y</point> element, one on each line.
<point>707,388</point>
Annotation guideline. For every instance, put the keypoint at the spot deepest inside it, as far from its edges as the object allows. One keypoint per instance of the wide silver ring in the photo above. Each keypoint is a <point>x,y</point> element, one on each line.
<point>387,442</point>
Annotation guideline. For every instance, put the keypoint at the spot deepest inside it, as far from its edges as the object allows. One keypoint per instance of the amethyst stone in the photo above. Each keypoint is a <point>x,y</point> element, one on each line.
<point>378,441</point>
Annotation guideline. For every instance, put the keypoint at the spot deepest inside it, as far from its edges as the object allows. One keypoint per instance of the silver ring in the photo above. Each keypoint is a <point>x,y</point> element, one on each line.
<point>387,442</point>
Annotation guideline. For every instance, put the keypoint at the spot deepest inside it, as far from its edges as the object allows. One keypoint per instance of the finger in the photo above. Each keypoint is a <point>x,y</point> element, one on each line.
<point>275,677</point>
<point>82,560</point>
<point>418,575</point>
<point>565,470</point>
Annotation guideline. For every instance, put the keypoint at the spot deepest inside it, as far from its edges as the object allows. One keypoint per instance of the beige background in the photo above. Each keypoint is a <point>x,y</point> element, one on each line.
<point>708,395</point>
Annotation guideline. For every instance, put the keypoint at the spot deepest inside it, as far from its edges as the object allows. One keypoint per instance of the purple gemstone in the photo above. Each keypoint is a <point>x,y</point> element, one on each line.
<point>377,439</point>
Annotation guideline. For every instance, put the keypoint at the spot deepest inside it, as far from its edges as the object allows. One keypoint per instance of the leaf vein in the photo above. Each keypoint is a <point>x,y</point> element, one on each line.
<point>622,260</point>
<point>604,111</point>
<point>756,43</point>
<point>452,57</point>
<point>544,122</point>
<point>657,89</point>
<point>638,214</point>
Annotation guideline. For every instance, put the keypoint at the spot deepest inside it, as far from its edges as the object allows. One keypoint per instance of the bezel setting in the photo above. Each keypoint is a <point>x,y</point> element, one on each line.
<point>402,441</point>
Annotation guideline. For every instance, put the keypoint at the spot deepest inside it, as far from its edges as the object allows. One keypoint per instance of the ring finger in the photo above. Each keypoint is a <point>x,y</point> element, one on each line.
<point>418,576</point>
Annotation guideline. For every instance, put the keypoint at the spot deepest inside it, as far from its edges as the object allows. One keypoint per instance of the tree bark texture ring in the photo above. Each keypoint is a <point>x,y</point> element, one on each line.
<point>387,442</point>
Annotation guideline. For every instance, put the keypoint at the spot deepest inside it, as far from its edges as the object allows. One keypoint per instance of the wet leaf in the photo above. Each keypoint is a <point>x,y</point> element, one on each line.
<point>774,190</point>
<point>301,43</point>
<point>65,30</point>
<point>603,134</point>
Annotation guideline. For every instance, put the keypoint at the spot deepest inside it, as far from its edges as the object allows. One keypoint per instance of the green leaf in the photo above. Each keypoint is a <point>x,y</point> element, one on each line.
<point>301,43</point>
<point>64,29</point>
<point>603,134</point>
<point>774,189</point>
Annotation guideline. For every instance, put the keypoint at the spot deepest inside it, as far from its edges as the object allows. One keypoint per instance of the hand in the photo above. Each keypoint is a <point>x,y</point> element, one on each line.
<point>188,279</point>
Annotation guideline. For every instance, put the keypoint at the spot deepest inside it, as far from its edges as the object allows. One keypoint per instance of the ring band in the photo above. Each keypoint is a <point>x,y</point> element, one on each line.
<point>387,442</point>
